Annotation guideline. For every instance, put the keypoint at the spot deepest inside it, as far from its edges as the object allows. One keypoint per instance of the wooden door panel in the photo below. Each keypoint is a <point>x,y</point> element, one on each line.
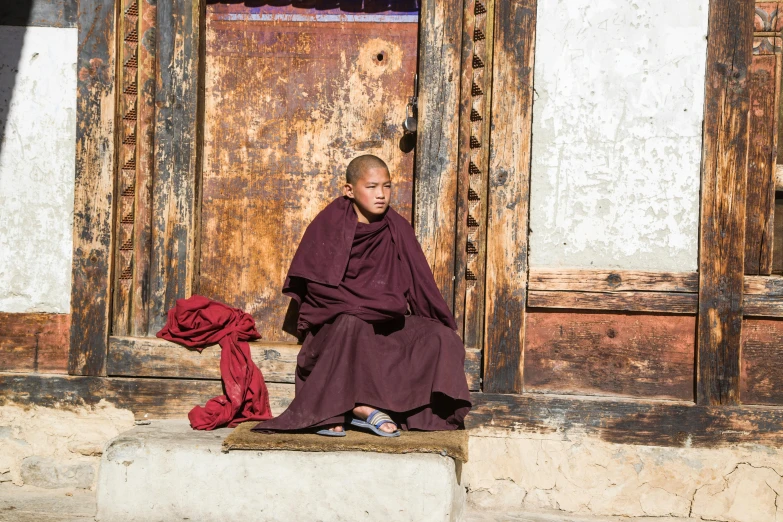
<point>287,105</point>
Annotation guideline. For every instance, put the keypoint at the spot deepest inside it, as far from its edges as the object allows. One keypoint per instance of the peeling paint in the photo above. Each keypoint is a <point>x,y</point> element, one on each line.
<point>37,168</point>
<point>617,124</point>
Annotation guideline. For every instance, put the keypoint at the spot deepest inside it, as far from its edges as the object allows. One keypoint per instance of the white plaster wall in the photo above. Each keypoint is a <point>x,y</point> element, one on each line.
<point>617,124</point>
<point>37,167</point>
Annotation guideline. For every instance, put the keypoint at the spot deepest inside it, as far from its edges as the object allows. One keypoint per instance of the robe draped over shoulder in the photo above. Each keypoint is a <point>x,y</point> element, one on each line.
<point>338,258</point>
<point>377,330</point>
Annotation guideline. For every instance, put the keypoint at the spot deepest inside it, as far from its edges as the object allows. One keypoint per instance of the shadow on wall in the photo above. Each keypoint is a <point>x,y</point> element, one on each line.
<point>15,16</point>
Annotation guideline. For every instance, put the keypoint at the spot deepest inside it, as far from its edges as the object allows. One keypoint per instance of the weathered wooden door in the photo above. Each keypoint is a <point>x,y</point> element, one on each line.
<point>291,96</point>
<point>251,140</point>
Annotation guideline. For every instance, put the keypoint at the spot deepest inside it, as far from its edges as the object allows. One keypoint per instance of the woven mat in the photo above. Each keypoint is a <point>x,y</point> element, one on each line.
<point>453,444</point>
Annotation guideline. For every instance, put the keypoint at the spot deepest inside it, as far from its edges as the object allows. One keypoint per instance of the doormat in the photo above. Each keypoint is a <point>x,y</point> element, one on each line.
<point>452,444</point>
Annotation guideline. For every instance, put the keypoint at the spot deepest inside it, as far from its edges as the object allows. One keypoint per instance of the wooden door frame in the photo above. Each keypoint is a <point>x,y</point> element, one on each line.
<point>178,99</point>
<point>173,263</point>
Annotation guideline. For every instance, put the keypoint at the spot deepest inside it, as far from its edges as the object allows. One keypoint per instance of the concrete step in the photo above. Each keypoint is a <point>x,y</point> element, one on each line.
<point>166,471</point>
<point>31,504</point>
<point>474,515</point>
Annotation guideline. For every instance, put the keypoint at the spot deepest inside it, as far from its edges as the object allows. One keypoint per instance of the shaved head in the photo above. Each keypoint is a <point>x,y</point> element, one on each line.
<point>361,164</point>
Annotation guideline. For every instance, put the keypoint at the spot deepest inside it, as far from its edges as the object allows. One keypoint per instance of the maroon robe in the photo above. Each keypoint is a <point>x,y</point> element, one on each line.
<point>378,331</point>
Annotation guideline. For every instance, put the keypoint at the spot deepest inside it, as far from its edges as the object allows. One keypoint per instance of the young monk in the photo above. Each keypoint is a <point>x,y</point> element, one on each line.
<point>380,350</point>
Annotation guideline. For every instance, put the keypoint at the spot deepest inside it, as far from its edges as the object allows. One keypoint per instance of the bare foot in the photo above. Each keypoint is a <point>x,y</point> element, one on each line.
<point>363,412</point>
<point>337,428</point>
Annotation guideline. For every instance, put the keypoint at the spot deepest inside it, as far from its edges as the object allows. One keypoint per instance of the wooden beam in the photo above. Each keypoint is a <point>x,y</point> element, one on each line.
<point>651,423</point>
<point>585,280</point>
<point>759,221</point>
<point>474,129</point>
<point>508,197</point>
<point>762,306</point>
<point>174,189</point>
<point>723,197</point>
<point>153,357</point>
<point>435,176</point>
<point>763,296</point>
<point>666,302</point>
<point>146,398</point>
<point>136,112</point>
<point>764,285</point>
<point>93,188</point>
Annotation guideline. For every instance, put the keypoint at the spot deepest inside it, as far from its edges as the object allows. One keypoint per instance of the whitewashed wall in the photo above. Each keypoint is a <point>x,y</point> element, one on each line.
<point>617,124</point>
<point>38,88</point>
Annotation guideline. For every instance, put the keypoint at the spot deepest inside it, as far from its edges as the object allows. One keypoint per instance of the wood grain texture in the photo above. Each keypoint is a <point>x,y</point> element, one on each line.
<point>761,285</point>
<point>326,99</point>
<point>777,236</point>
<point>760,206</point>
<point>763,306</point>
<point>652,423</point>
<point>40,13</point>
<point>723,198</point>
<point>508,198</point>
<point>146,398</point>
<point>582,280</point>
<point>623,421</point>
<point>437,139</point>
<point>174,188</point>
<point>32,342</point>
<point>152,357</point>
<point>629,355</point>
<point>763,296</point>
<point>93,188</point>
<point>145,165</point>
<point>474,126</point>
<point>761,381</point>
<point>670,302</point>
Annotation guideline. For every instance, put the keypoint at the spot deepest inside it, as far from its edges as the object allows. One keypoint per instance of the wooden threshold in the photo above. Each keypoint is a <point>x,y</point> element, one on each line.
<point>147,398</point>
<point>625,421</point>
<point>153,357</point>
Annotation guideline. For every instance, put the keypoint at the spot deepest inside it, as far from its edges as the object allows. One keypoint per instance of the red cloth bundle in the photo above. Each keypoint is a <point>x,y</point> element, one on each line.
<point>198,322</point>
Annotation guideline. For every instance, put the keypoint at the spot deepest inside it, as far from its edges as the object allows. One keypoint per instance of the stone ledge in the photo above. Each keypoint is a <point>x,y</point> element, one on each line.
<point>166,471</point>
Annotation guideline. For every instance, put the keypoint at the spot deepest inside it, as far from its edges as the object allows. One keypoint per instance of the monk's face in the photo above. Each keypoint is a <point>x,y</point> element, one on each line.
<point>371,194</point>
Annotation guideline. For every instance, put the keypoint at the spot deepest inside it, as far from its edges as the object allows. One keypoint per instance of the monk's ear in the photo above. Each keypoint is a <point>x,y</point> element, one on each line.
<point>348,190</point>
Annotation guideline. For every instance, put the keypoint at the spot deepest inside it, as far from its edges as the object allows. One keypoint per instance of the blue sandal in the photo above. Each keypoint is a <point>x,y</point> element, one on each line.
<point>329,433</point>
<point>374,421</point>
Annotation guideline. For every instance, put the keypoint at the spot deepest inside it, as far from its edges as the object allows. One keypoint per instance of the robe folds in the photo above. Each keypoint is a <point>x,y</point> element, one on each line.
<point>376,328</point>
<point>198,322</point>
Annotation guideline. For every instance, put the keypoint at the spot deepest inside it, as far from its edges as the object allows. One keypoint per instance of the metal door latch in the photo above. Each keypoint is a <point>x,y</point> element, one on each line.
<point>411,118</point>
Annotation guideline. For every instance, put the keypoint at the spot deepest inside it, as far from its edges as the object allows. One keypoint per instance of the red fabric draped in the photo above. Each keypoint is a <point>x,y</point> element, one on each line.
<point>198,322</point>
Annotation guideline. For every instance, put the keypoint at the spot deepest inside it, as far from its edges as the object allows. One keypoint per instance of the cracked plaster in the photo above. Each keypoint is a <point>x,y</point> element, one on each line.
<point>580,475</point>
